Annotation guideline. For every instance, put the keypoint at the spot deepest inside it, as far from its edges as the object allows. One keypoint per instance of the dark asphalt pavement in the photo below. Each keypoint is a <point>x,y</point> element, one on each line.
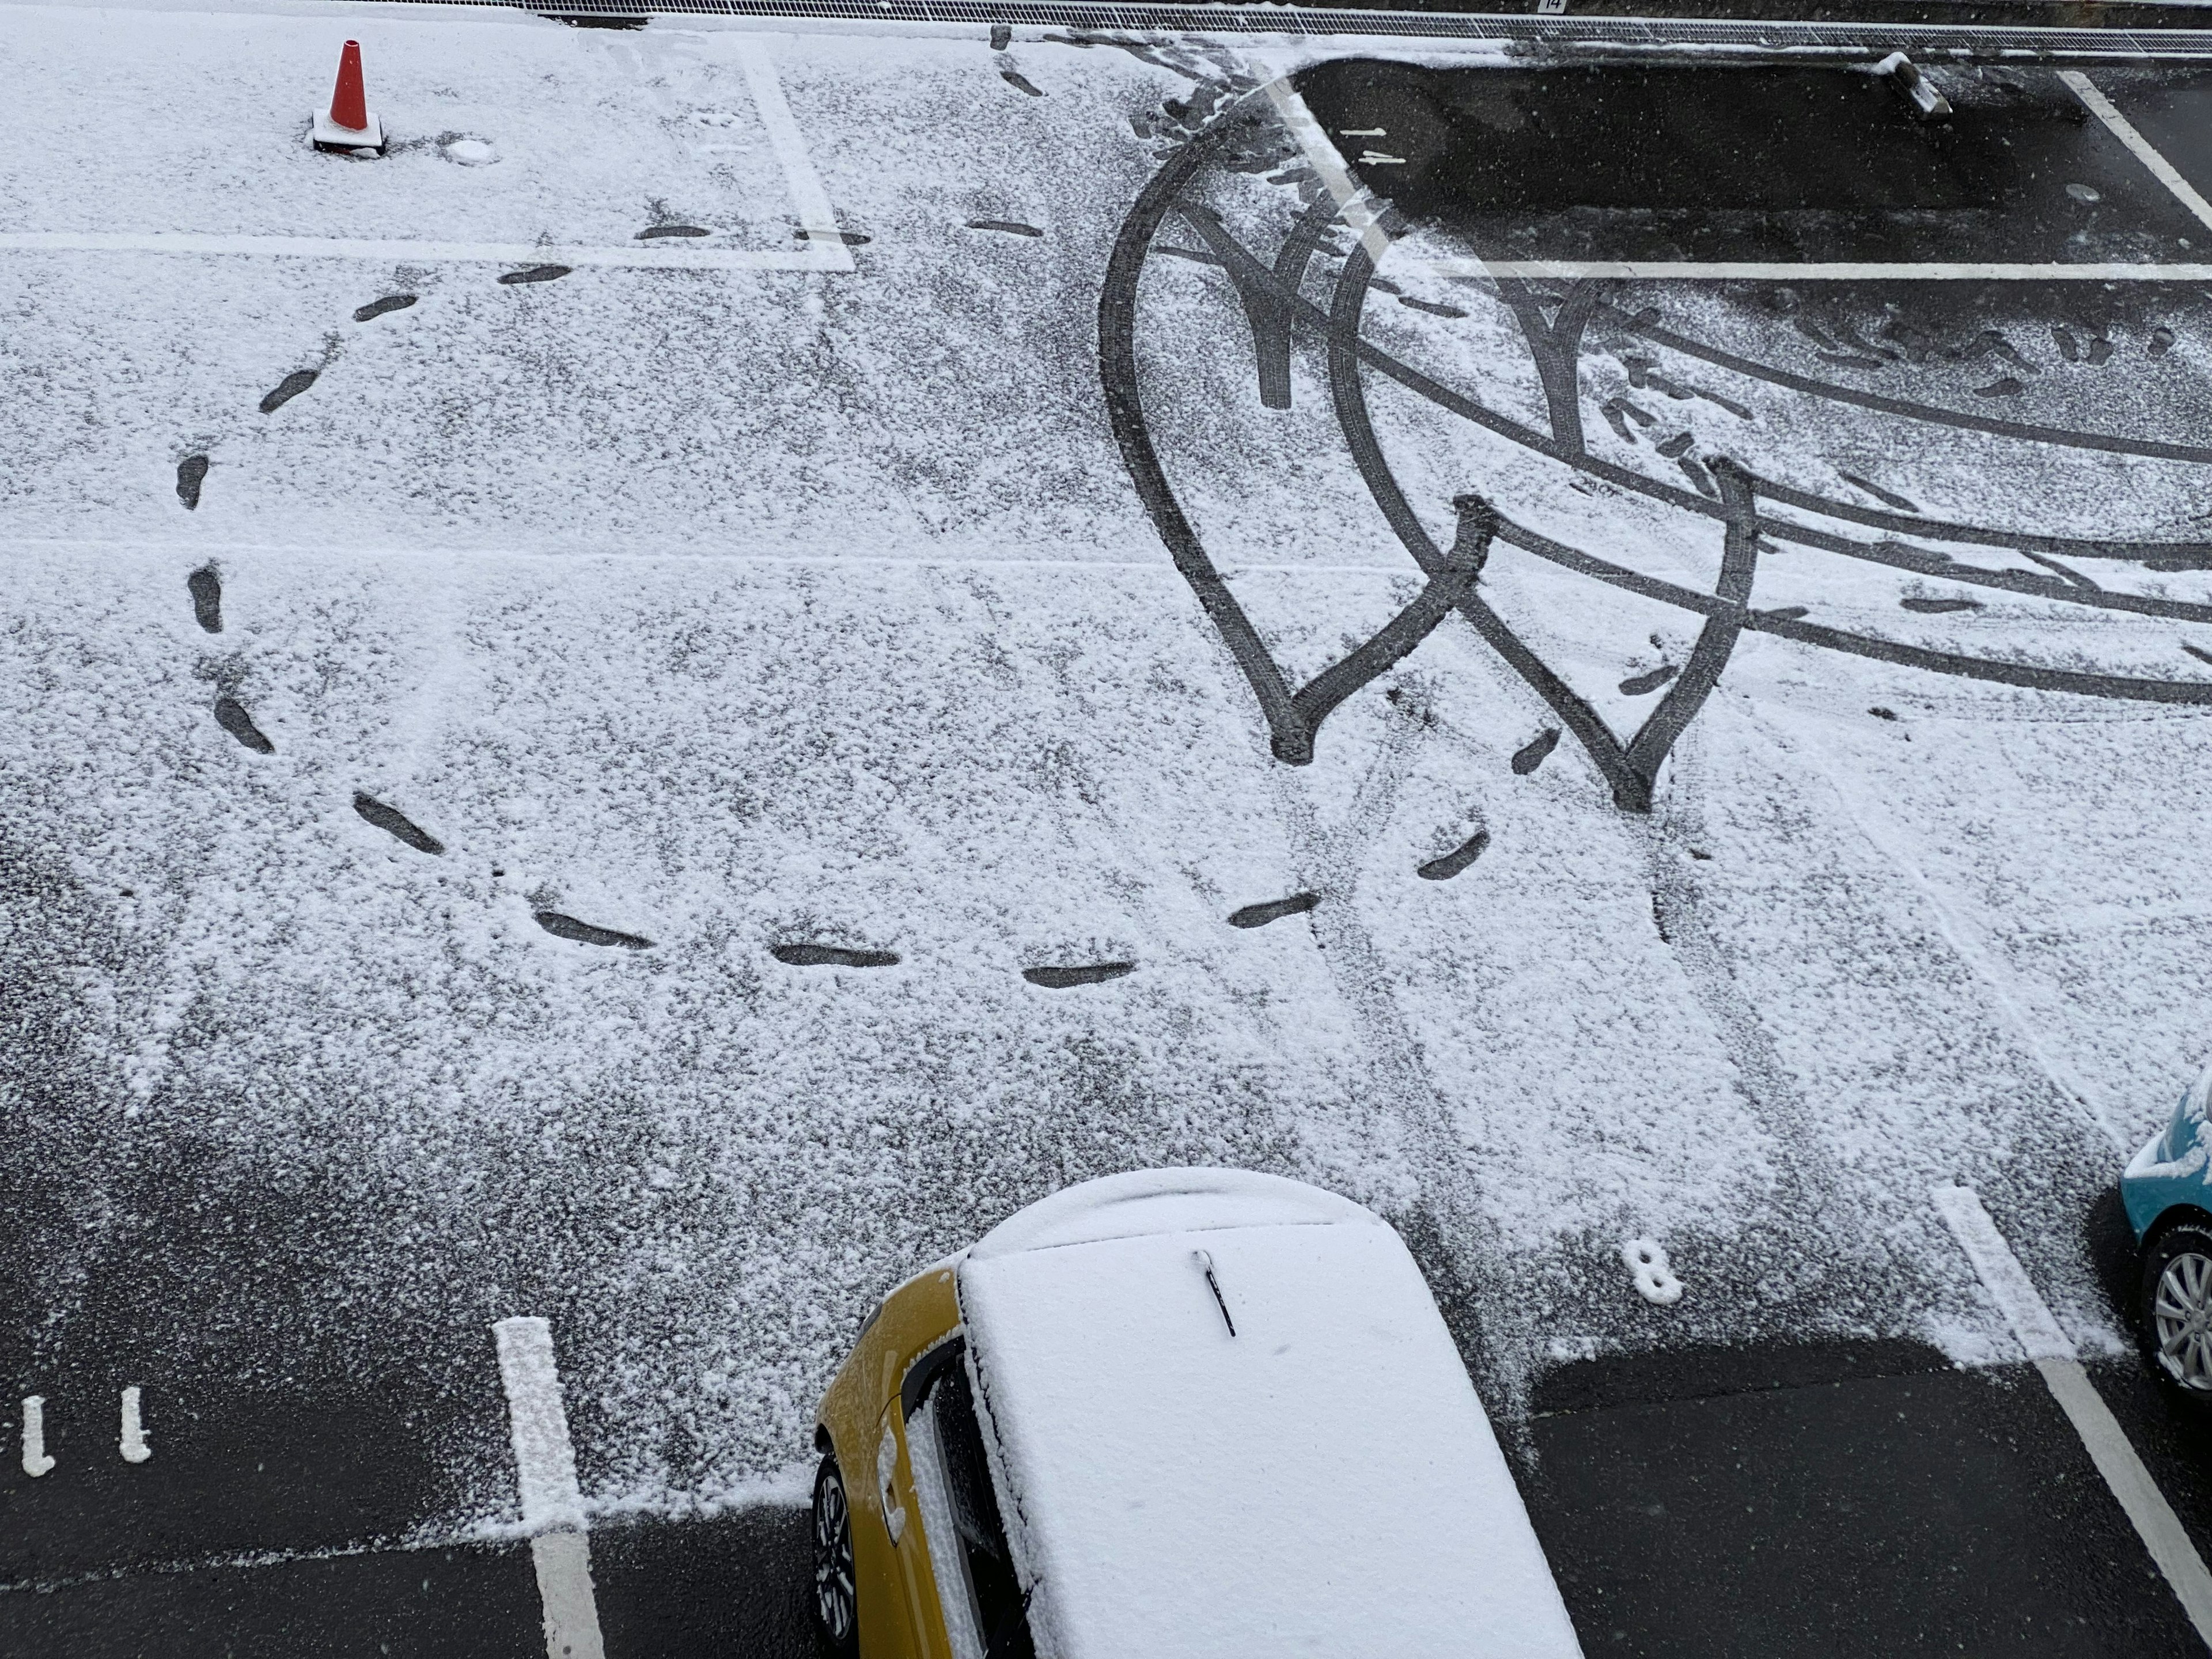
<point>1824,1500</point>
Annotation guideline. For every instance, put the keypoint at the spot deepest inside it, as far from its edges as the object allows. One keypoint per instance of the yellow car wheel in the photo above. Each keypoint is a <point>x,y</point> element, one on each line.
<point>836,1603</point>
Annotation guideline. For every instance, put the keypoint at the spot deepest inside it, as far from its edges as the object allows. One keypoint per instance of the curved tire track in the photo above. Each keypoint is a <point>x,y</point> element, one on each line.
<point>1630,769</point>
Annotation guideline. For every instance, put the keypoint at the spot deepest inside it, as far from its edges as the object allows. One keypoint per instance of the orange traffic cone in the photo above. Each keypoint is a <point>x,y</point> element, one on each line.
<point>348,124</point>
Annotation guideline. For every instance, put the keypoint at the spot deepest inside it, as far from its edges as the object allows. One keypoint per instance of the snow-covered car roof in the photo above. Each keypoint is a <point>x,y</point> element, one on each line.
<point>1319,1479</point>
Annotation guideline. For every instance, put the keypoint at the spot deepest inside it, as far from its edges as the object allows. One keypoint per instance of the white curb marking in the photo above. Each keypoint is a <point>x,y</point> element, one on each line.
<point>36,1461</point>
<point>2124,130</point>
<point>545,1474</point>
<point>2109,1448</point>
<point>133,1444</point>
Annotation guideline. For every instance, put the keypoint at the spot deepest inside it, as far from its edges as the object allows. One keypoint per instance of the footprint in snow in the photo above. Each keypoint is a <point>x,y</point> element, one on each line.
<point>583,933</point>
<point>1062,979</point>
<point>1532,754</point>
<point>288,388</point>
<point>206,589</point>
<point>1010,227</point>
<point>1259,916</point>
<point>831,956</point>
<point>376,308</point>
<point>191,473</point>
<point>1445,868</point>
<point>231,716</point>
<point>535,274</point>
<point>393,821</point>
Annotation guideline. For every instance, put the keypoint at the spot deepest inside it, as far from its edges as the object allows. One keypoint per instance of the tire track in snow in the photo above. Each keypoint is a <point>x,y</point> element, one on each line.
<point>1970,942</point>
<point>1462,1238</point>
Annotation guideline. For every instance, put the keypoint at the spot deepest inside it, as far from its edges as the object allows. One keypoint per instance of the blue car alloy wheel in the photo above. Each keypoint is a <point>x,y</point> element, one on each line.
<point>2177,1308</point>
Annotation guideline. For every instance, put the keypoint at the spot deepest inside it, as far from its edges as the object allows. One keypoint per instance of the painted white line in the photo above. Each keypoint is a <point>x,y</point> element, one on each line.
<point>36,1461</point>
<point>564,1560</point>
<point>2124,130</point>
<point>133,1444</point>
<point>815,256</point>
<point>1359,213</point>
<point>546,1474</point>
<point>816,217</point>
<point>2000,1274</point>
<point>2108,1446</point>
<point>1785,272</point>
<point>823,249</point>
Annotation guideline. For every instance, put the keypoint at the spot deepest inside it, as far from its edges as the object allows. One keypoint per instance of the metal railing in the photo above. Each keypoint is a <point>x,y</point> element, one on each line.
<point>1640,35</point>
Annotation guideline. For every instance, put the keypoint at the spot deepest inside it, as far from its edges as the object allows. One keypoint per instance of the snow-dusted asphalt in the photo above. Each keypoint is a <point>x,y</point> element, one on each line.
<point>664,798</point>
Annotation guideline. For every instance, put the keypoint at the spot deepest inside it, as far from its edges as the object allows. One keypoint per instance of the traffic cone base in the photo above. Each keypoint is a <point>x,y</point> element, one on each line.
<point>329,135</point>
<point>348,124</point>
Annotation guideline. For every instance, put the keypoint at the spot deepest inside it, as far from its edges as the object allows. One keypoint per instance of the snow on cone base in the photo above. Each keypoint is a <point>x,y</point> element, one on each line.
<point>348,124</point>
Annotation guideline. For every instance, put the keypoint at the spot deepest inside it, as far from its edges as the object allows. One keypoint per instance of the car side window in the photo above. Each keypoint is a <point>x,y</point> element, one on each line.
<point>996,1604</point>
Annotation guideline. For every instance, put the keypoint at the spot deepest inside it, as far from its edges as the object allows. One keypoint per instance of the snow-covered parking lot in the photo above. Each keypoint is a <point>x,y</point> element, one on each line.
<point>664,702</point>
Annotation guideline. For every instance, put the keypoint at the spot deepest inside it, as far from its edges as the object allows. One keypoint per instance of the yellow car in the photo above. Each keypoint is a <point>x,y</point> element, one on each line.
<point>1199,1412</point>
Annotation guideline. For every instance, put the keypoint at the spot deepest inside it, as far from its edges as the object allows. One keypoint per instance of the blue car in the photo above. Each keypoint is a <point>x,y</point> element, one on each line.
<point>2167,1190</point>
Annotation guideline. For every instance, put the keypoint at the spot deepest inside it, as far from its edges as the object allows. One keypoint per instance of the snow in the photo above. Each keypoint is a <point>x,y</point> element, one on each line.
<point>731,608</point>
<point>1322,1480</point>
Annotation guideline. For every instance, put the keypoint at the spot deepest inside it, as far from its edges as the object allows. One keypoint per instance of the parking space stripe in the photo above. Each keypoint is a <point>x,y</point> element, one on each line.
<point>545,1472</point>
<point>1814,271</point>
<point>1352,201</point>
<point>816,256</point>
<point>822,247</point>
<point>825,240</point>
<point>36,1462</point>
<point>2055,1357</point>
<point>2124,130</point>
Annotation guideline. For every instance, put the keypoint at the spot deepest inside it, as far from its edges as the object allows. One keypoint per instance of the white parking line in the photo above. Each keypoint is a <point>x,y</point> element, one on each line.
<point>132,1443</point>
<point>1321,156</point>
<point>545,1474</point>
<point>817,255</point>
<point>1845,271</point>
<point>2054,1355</point>
<point>36,1461</point>
<point>2124,130</point>
<point>823,247</point>
<point>815,214</point>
